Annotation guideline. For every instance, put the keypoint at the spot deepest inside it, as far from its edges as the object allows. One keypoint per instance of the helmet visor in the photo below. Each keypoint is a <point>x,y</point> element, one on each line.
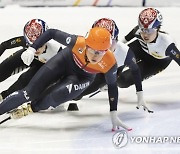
<point>148,30</point>
<point>96,52</point>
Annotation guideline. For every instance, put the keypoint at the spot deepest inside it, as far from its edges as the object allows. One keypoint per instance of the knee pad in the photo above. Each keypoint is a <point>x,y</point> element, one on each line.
<point>125,79</point>
<point>122,83</point>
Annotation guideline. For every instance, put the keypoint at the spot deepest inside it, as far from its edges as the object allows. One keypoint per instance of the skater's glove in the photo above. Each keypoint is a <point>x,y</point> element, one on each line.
<point>116,122</point>
<point>21,111</point>
<point>28,56</point>
<point>142,102</point>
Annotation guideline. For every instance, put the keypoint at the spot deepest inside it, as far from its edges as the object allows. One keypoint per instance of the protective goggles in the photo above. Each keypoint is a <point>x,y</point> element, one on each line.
<point>96,52</point>
<point>148,30</point>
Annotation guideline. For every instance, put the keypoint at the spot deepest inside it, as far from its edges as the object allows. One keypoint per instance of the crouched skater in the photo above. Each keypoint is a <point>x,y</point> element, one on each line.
<point>75,66</point>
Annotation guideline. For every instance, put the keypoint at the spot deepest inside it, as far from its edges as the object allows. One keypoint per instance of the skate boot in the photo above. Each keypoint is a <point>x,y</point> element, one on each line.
<point>21,111</point>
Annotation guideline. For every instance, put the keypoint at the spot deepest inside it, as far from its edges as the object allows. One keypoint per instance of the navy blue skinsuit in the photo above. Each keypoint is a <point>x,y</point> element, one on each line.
<point>59,80</point>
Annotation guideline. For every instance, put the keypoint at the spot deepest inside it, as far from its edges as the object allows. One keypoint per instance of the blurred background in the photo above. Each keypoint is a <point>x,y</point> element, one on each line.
<point>103,3</point>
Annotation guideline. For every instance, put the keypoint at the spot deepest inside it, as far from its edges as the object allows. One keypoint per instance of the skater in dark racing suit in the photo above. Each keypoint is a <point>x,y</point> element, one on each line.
<point>67,74</point>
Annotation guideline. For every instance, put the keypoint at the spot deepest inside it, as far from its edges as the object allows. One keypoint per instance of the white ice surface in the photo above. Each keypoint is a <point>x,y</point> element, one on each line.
<point>88,130</point>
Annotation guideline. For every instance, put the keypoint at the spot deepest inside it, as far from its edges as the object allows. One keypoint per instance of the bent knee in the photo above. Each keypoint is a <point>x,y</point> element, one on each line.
<point>123,84</point>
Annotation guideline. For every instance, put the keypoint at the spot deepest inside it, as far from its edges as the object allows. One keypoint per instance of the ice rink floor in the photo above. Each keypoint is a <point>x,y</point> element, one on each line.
<point>89,129</point>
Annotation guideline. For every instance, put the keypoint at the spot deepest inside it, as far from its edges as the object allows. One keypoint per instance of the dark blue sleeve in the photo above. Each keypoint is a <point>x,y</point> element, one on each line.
<point>173,52</point>
<point>130,61</point>
<point>59,36</point>
<point>111,80</point>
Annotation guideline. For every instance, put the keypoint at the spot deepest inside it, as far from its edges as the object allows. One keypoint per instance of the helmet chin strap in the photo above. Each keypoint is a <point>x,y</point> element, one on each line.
<point>86,60</point>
